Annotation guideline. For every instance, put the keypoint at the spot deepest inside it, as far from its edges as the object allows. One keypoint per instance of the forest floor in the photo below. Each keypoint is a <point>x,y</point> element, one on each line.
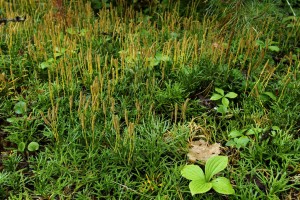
<point>115,105</point>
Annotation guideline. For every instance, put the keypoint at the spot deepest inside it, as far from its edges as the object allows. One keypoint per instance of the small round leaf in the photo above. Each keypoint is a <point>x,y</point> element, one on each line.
<point>20,107</point>
<point>21,146</point>
<point>33,146</point>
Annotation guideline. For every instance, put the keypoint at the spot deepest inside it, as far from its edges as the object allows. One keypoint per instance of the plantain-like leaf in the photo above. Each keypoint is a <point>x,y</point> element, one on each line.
<point>222,185</point>
<point>274,48</point>
<point>199,186</point>
<point>271,95</point>
<point>235,133</point>
<point>193,172</point>
<point>214,165</point>
<point>242,141</point>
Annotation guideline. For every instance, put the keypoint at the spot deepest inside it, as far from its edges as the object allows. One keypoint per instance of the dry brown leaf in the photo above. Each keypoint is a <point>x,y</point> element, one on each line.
<point>200,150</point>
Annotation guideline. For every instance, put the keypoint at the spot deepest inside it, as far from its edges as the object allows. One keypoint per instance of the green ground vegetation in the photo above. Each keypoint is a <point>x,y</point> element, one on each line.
<point>104,106</point>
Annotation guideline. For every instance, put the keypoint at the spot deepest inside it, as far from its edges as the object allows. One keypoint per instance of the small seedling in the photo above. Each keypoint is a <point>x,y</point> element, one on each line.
<point>220,95</point>
<point>20,107</point>
<point>159,58</point>
<point>202,183</point>
<point>33,146</point>
<point>47,64</point>
<point>240,138</point>
<point>268,44</point>
<point>21,146</point>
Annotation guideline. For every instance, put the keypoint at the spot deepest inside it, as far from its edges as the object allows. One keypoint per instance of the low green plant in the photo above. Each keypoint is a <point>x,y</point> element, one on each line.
<point>33,146</point>
<point>158,59</point>
<point>240,138</point>
<point>201,183</point>
<point>21,146</point>
<point>220,95</point>
<point>52,62</point>
<point>20,108</point>
<point>271,45</point>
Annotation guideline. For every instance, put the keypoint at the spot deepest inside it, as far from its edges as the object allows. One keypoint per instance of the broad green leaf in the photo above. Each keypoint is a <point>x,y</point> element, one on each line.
<point>57,54</point>
<point>33,146</point>
<point>242,141</point>
<point>153,62</point>
<point>71,31</point>
<point>215,97</point>
<point>274,48</point>
<point>235,133</point>
<point>236,143</point>
<point>214,165</point>
<point>164,58</point>
<point>158,56</point>
<point>225,102</point>
<point>21,146</point>
<point>290,18</point>
<point>12,119</point>
<point>230,143</point>
<point>174,35</point>
<point>44,65</point>
<point>199,186</point>
<point>222,109</point>
<point>50,60</point>
<point>271,95</point>
<point>220,91</point>
<point>20,107</point>
<point>264,97</point>
<point>253,131</point>
<point>222,185</point>
<point>193,172</point>
<point>260,43</point>
<point>275,128</point>
<point>83,32</point>
<point>231,95</point>
<point>60,50</point>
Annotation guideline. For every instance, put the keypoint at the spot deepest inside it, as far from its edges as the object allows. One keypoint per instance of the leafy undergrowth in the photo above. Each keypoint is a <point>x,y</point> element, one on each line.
<point>107,106</point>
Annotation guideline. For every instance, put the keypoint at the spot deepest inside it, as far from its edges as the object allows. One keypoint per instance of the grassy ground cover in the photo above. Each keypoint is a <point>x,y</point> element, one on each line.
<point>107,106</point>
